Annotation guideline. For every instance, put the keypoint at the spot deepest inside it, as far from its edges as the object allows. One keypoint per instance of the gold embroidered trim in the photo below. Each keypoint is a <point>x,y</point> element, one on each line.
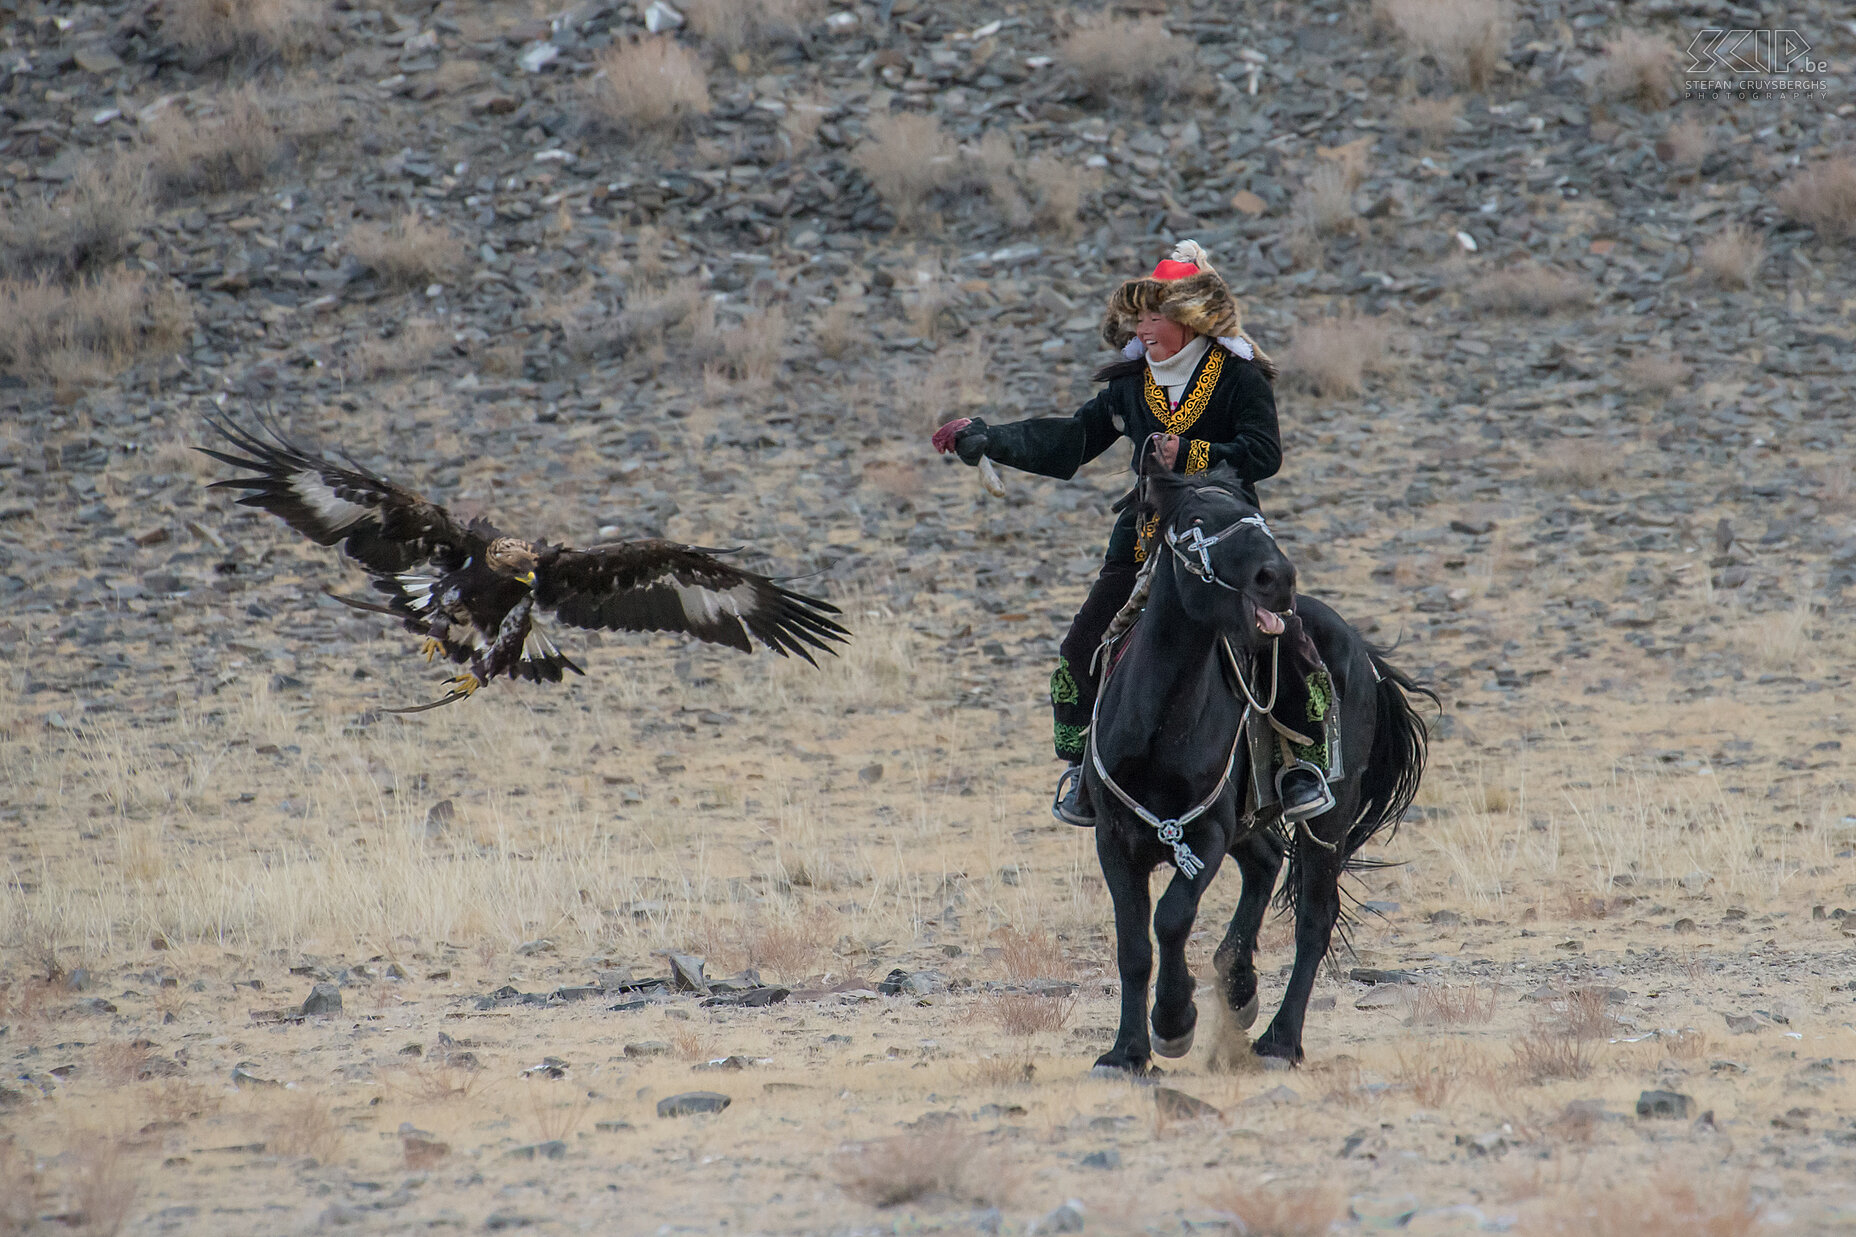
<point>1193,406</point>
<point>1144,533</point>
<point>1198,456</point>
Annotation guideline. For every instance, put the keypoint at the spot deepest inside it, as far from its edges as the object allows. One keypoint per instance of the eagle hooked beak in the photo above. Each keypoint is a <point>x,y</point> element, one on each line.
<point>527,578</point>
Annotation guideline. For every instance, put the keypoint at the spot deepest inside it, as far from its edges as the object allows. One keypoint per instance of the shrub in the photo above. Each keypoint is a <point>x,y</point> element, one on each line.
<point>82,334</point>
<point>1528,290</point>
<point>1430,118</point>
<point>908,157</point>
<point>410,252</point>
<point>938,1160</point>
<point>1732,256</point>
<point>1119,57</point>
<point>82,231</point>
<point>1332,356</point>
<point>233,146</point>
<point>1282,1210</point>
<point>1686,143</point>
<point>203,31</point>
<point>1467,39</point>
<point>650,86</point>
<point>1824,197</point>
<point>1638,68</point>
<point>732,26</point>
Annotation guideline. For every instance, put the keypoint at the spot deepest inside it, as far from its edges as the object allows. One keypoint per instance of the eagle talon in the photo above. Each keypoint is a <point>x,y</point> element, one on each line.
<point>431,648</point>
<point>464,684</point>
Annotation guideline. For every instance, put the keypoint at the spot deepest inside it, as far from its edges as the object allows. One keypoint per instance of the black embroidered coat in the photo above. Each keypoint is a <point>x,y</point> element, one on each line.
<point>1226,415</point>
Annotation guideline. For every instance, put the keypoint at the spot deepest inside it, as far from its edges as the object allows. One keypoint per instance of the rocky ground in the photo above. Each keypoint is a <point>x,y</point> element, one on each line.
<point>1565,404</point>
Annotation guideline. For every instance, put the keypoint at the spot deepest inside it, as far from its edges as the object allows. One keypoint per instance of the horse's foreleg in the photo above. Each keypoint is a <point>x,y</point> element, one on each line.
<point>1317,907</point>
<point>1175,1016</point>
<point>1259,862</point>
<point>1134,956</point>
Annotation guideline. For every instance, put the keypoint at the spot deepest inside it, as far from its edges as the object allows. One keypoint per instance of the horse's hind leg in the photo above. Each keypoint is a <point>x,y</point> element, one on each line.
<point>1134,955</point>
<point>1316,873</point>
<point>1259,862</point>
<point>1175,1016</point>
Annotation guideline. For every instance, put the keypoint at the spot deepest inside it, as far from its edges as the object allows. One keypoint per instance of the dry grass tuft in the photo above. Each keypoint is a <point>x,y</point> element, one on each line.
<point>1058,191</point>
<point>1439,1005</point>
<point>790,950</point>
<point>1332,356</point>
<point>553,1118</point>
<point>252,31</point>
<point>1021,1013</point>
<point>1466,39</point>
<point>941,1160</point>
<point>747,354</point>
<point>1578,465</point>
<point>1118,57</point>
<point>650,86</point>
<point>1732,257</point>
<point>908,157</point>
<point>1006,1071</point>
<point>303,1125</point>
<point>801,122</point>
<point>1281,1210</point>
<point>1030,955</point>
<point>84,229</point>
<point>82,334</point>
<point>1430,118</point>
<point>99,1187</point>
<point>1639,68</point>
<point>408,253</point>
<point>731,26</point>
<point>1324,207</point>
<point>1823,196</point>
<point>410,348</point>
<point>1656,372</point>
<point>1585,1013</point>
<point>233,145</point>
<point>1664,1207</point>
<point>841,327</point>
<point>20,1182</point>
<point>1686,143</point>
<point>1550,1052</point>
<point>1529,290</point>
<point>1436,1070</point>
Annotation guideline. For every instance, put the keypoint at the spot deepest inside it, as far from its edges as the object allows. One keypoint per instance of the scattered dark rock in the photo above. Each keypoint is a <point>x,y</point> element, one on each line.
<point>1109,1158</point>
<point>553,1149</point>
<point>1667,1105</point>
<point>691,1103</point>
<point>1178,1106</point>
<point>323,1001</point>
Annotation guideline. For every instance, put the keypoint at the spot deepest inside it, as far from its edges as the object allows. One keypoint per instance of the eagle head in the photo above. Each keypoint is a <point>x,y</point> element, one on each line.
<point>511,556</point>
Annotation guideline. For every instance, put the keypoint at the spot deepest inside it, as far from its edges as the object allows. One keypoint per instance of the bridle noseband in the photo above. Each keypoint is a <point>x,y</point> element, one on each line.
<point>1193,548</point>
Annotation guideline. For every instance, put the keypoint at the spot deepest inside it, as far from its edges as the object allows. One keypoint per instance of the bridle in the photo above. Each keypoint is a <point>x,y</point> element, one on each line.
<point>1193,548</point>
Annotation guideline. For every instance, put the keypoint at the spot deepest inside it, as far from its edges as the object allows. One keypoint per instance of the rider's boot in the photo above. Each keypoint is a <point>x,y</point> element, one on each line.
<point>1303,790</point>
<point>1072,805</point>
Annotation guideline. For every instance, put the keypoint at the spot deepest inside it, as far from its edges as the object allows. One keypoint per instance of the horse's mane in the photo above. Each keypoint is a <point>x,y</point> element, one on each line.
<point>1163,490</point>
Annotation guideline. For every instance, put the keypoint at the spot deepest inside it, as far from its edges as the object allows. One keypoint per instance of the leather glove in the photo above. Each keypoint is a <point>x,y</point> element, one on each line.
<point>966,437</point>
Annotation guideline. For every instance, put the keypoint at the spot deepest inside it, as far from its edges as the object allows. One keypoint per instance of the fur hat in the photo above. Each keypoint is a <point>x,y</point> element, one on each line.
<point>1184,289</point>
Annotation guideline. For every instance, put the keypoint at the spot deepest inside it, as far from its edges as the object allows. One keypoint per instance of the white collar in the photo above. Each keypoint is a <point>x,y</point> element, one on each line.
<point>1176,370</point>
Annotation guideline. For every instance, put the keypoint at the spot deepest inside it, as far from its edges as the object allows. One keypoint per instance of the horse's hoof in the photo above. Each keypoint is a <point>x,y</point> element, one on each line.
<point>1267,1047</point>
<point>1123,1069</point>
<point>1174,1048</point>
<point>1246,1016</point>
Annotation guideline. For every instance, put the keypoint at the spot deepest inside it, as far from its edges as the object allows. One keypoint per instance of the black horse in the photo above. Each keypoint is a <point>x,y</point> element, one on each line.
<point>1167,737</point>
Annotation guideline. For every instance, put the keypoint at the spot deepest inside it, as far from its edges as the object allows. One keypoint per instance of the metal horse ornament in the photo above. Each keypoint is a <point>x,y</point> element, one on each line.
<point>1174,780</point>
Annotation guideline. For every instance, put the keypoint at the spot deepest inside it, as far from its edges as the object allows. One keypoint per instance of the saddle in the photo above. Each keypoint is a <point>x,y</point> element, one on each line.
<point>1266,739</point>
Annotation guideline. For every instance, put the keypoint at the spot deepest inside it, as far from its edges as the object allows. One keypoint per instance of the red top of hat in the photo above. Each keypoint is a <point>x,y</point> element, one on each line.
<point>1170,269</point>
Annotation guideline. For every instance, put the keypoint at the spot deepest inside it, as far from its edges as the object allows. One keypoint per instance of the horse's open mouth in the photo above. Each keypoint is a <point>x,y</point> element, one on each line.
<point>1269,623</point>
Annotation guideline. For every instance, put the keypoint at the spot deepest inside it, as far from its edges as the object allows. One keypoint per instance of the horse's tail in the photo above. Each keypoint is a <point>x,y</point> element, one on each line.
<point>1395,766</point>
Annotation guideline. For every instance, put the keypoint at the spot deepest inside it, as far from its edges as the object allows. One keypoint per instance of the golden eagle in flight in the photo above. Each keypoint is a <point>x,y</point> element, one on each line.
<point>475,593</point>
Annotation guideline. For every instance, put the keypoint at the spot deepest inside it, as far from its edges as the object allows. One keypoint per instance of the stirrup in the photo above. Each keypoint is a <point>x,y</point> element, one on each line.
<point>1070,782</point>
<point>1305,811</point>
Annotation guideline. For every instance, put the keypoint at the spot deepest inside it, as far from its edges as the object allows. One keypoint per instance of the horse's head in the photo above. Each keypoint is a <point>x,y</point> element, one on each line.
<point>1228,568</point>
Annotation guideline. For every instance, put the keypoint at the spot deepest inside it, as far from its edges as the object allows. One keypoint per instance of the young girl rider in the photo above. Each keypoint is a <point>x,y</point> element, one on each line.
<point>1193,378</point>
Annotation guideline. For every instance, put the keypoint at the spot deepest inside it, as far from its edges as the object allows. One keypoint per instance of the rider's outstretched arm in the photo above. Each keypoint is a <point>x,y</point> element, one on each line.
<point>1048,446</point>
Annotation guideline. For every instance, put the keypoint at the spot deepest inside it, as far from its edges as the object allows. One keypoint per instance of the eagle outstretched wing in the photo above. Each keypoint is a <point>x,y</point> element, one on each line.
<point>388,530</point>
<point>664,586</point>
